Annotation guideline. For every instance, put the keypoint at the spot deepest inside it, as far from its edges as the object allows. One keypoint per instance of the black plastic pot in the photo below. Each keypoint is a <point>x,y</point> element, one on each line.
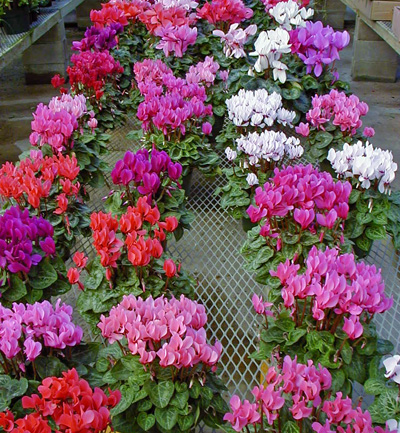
<point>187,181</point>
<point>247,225</point>
<point>16,20</point>
<point>33,15</point>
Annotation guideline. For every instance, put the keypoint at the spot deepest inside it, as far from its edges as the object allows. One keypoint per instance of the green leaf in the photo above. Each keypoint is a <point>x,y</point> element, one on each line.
<point>338,378</point>
<point>16,291</point>
<point>347,353</point>
<point>127,396</point>
<point>290,427</point>
<point>323,139</point>
<point>374,386</point>
<point>47,366</point>
<point>167,417</point>
<point>389,404</point>
<point>357,369</point>
<point>263,255</point>
<point>132,363</point>
<point>295,335</point>
<point>144,405</point>
<point>375,232</point>
<point>160,394</point>
<point>384,347</point>
<point>45,277</point>
<point>180,399</point>
<point>185,422</point>
<point>146,420</point>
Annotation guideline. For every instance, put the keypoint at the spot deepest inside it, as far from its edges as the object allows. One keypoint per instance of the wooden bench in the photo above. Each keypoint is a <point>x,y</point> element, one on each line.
<point>375,48</point>
<point>43,47</point>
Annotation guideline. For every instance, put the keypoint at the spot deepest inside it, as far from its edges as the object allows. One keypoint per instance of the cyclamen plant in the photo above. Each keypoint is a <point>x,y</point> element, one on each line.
<point>322,310</point>
<point>334,119</point>
<point>372,215</point>
<point>300,207</point>
<point>152,175</point>
<point>67,126</point>
<point>33,332</point>
<point>173,113</point>
<point>171,384</point>
<point>130,250</point>
<point>64,404</point>
<point>49,187</point>
<point>296,397</point>
<point>30,269</point>
<point>252,163</point>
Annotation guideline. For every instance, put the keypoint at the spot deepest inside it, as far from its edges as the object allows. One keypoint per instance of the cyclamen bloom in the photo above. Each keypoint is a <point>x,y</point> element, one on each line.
<point>71,404</point>
<point>337,108</point>
<point>370,166</point>
<point>269,48</point>
<point>234,40</point>
<point>24,240</point>
<point>392,368</point>
<point>145,170</point>
<point>37,326</point>
<point>99,39</point>
<point>175,39</point>
<point>268,146</point>
<point>258,108</point>
<point>289,13</point>
<point>300,190</point>
<point>176,326</point>
<point>271,3</point>
<point>318,46</point>
<point>335,282</point>
<point>92,69</point>
<point>222,11</point>
<point>204,72</point>
<point>303,386</point>
<point>170,103</point>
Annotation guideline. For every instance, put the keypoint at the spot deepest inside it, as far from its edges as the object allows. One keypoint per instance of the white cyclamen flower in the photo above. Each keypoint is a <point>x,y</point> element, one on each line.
<point>392,367</point>
<point>252,179</point>
<point>289,14</point>
<point>365,162</point>
<point>269,47</point>
<point>230,154</point>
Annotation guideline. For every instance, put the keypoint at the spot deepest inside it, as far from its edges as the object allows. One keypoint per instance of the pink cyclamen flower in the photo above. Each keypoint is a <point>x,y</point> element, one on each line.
<point>368,131</point>
<point>304,217</point>
<point>32,349</point>
<point>260,306</point>
<point>242,414</point>
<point>352,327</point>
<point>303,129</point>
<point>206,128</point>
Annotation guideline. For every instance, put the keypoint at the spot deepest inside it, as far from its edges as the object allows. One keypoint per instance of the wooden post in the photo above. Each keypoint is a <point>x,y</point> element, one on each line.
<point>47,56</point>
<point>83,12</point>
<point>373,58</point>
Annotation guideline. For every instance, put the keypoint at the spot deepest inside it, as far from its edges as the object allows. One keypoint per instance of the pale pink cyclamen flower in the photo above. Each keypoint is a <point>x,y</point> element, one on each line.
<point>235,39</point>
<point>368,131</point>
<point>303,129</point>
<point>175,39</point>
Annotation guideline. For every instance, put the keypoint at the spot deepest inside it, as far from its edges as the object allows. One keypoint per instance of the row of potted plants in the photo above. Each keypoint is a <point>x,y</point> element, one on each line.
<point>248,86</point>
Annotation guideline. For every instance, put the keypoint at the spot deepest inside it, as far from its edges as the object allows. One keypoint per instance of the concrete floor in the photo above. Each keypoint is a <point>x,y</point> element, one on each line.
<point>17,101</point>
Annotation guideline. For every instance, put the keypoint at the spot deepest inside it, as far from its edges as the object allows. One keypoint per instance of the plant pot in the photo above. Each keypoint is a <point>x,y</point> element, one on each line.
<point>187,182</point>
<point>217,127</point>
<point>33,15</point>
<point>247,225</point>
<point>16,20</point>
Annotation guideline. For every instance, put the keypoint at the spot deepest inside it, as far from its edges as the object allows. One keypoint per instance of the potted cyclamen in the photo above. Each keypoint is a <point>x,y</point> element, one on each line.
<point>130,260</point>
<point>297,397</point>
<point>257,151</point>
<point>298,208</point>
<point>152,175</point>
<point>173,115</point>
<point>30,268</point>
<point>372,212</point>
<point>323,309</point>
<point>64,400</point>
<point>166,374</point>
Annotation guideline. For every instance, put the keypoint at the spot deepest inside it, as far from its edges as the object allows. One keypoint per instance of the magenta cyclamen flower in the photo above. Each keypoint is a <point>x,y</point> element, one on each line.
<point>242,414</point>
<point>145,170</point>
<point>176,326</point>
<point>312,199</point>
<point>333,282</point>
<point>24,240</point>
<point>170,103</point>
<point>317,45</point>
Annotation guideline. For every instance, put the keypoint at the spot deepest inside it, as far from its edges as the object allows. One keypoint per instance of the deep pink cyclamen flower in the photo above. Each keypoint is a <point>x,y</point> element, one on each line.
<point>304,217</point>
<point>242,414</point>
